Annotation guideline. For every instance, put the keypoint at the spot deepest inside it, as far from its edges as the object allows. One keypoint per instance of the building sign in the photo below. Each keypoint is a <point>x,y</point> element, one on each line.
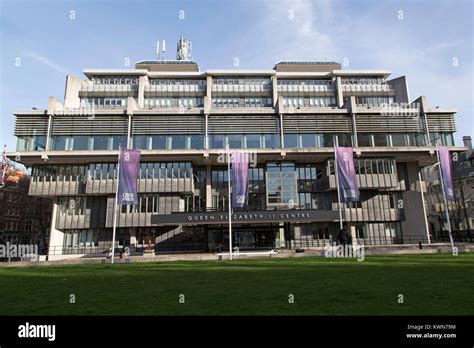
<point>129,165</point>
<point>264,216</point>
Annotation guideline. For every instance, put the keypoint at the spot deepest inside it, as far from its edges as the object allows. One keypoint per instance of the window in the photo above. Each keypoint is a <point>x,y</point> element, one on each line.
<point>235,141</point>
<point>281,184</point>
<point>217,141</point>
<point>380,139</point>
<point>308,140</point>
<point>140,142</point>
<point>271,141</point>
<point>100,142</point>
<point>158,142</point>
<point>196,142</point>
<point>253,141</point>
<point>119,141</point>
<point>364,139</point>
<point>399,139</point>
<point>178,142</point>
<point>291,140</point>
<point>80,142</point>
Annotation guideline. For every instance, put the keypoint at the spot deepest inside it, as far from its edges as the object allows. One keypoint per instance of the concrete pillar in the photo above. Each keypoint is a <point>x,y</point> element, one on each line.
<point>414,226</point>
<point>274,90</point>
<point>340,99</point>
<point>280,240</point>
<point>208,187</point>
<point>56,237</point>
<point>142,81</point>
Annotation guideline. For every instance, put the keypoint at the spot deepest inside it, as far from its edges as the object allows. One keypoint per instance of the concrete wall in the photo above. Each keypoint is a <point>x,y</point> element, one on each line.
<point>414,222</point>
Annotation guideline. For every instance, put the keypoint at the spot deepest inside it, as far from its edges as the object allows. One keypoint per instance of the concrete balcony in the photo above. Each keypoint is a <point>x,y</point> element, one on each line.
<point>178,90</point>
<point>108,90</point>
<point>251,90</point>
<point>306,89</point>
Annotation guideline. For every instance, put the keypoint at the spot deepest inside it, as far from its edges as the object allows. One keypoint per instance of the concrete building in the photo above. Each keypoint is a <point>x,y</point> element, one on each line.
<point>181,118</point>
<point>461,210</point>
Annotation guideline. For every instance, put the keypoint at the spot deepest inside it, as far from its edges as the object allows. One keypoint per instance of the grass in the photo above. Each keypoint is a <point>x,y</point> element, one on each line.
<point>432,284</point>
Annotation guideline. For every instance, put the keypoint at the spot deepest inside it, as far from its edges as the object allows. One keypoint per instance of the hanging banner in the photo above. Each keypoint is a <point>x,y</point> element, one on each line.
<point>240,179</point>
<point>129,165</point>
<point>347,177</point>
<point>445,163</point>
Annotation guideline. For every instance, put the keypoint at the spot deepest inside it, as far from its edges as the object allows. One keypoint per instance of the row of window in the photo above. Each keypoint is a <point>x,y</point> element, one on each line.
<point>240,102</point>
<point>32,143</point>
<point>85,142</point>
<point>101,101</point>
<point>313,101</point>
<point>176,82</point>
<point>167,142</point>
<point>369,166</point>
<point>244,141</point>
<point>363,81</point>
<point>175,102</point>
<point>374,100</point>
<point>242,81</point>
<point>115,80</point>
<point>328,83</point>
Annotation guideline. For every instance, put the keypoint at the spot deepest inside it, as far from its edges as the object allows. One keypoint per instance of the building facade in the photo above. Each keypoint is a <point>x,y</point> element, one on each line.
<point>289,118</point>
<point>24,219</point>
<point>461,210</point>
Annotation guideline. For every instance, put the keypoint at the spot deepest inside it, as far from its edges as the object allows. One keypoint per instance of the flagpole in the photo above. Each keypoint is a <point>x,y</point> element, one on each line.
<point>229,200</point>
<point>337,185</point>
<point>445,199</point>
<point>115,206</point>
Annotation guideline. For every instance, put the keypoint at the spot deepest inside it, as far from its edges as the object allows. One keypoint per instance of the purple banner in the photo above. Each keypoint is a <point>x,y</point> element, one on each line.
<point>445,163</point>
<point>129,164</point>
<point>240,179</point>
<point>349,190</point>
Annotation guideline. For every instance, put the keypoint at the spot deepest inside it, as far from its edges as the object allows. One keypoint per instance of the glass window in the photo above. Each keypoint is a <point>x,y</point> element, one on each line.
<point>100,142</point>
<point>399,139</point>
<point>328,140</point>
<point>158,142</point>
<point>308,140</point>
<point>140,142</point>
<point>344,139</point>
<point>216,141</point>
<point>80,142</point>
<point>253,141</point>
<point>59,143</point>
<point>380,139</point>
<point>196,142</point>
<point>291,140</point>
<point>271,141</point>
<point>178,142</point>
<point>235,141</point>
<point>119,141</point>
<point>364,139</point>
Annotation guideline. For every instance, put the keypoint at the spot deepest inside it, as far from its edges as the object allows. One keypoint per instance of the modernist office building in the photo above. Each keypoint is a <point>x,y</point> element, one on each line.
<point>181,118</point>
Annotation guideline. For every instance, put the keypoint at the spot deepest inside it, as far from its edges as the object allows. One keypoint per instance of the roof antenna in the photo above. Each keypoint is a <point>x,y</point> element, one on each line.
<point>158,50</point>
<point>163,57</point>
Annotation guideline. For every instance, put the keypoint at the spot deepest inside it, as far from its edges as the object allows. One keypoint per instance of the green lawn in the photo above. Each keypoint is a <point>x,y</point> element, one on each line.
<point>433,284</point>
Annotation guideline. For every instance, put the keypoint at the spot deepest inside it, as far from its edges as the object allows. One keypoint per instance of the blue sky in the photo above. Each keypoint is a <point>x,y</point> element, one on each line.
<point>420,39</point>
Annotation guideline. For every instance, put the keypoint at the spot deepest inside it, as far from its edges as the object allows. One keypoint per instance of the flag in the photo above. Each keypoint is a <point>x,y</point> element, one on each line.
<point>445,167</point>
<point>4,166</point>
<point>240,179</point>
<point>127,185</point>
<point>349,190</point>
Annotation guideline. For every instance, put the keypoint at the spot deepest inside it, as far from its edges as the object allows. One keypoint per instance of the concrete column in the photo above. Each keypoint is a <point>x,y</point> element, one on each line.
<point>208,96</point>
<point>414,225</point>
<point>129,132</point>
<point>274,90</point>
<point>142,81</point>
<point>282,138</point>
<point>208,187</point>
<point>206,137</point>
<point>56,237</point>
<point>280,241</point>
<point>340,99</point>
